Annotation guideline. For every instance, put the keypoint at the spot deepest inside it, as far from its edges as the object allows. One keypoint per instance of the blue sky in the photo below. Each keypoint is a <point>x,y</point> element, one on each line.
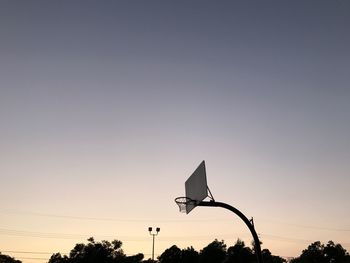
<point>107,107</point>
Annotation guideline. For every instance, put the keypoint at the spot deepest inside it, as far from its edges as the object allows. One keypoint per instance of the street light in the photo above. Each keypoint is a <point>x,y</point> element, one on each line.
<point>153,235</point>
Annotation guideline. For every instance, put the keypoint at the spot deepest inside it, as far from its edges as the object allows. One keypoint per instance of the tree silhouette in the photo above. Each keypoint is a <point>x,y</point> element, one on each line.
<point>8,259</point>
<point>335,253</point>
<point>57,258</point>
<point>239,253</point>
<point>215,252</point>
<point>269,258</point>
<point>92,252</point>
<point>170,255</point>
<point>319,253</point>
<point>189,255</point>
<point>133,259</point>
<point>176,255</point>
<point>314,253</point>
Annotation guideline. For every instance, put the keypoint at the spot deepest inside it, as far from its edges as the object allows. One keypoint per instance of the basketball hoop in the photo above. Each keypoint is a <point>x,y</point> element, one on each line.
<point>196,189</point>
<point>184,202</point>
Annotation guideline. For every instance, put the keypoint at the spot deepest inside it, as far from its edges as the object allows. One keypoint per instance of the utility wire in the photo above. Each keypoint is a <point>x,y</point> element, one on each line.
<point>50,253</point>
<point>127,220</point>
<point>28,252</point>
<point>145,239</point>
<point>32,258</point>
<point>164,220</point>
<point>307,226</point>
<point>22,233</point>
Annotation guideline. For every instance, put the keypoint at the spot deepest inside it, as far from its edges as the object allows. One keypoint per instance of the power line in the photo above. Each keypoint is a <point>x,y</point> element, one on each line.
<point>22,233</point>
<point>309,226</point>
<point>289,239</point>
<point>50,253</point>
<point>40,234</point>
<point>163,220</point>
<point>32,258</point>
<point>28,252</point>
<point>127,220</point>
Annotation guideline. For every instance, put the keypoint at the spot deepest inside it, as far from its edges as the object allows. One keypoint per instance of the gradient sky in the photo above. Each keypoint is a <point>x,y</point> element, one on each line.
<point>107,107</point>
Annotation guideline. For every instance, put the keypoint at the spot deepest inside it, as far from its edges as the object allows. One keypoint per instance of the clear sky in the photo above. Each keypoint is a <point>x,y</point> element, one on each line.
<point>106,108</point>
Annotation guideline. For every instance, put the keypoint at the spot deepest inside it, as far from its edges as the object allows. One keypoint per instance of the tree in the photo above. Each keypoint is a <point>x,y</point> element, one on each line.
<point>215,252</point>
<point>319,253</point>
<point>314,253</point>
<point>239,253</point>
<point>189,255</point>
<point>269,258</point>
<point>102,252</point>
<point>334,252</point>
<point>133,259</point>
<point>170,255</point>
<point>176,255</point>
<point>57,258</point>
<point>8,259</point>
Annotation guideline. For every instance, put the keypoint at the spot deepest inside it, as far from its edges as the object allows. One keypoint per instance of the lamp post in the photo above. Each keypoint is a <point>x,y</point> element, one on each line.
<point>153,235</point>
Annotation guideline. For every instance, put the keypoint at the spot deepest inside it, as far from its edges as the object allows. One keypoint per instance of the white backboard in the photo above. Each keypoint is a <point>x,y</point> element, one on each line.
<point>196,186</point>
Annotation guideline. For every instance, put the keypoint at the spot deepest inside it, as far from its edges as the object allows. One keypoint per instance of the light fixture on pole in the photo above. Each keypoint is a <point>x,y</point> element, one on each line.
<point>153,235</point>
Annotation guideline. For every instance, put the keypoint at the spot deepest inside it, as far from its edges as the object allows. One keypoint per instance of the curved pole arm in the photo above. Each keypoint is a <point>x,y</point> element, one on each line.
<point>244,218</point>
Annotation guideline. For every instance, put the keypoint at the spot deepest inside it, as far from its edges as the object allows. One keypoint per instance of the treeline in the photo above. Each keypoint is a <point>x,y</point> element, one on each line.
<point>8,259</point>
<point>320,253</point>
<point>216,252</point>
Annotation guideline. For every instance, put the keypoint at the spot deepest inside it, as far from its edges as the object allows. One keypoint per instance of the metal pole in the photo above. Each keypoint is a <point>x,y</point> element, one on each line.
<point>153,235</point>
<point>153,248</point>
<point>244,218</point>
